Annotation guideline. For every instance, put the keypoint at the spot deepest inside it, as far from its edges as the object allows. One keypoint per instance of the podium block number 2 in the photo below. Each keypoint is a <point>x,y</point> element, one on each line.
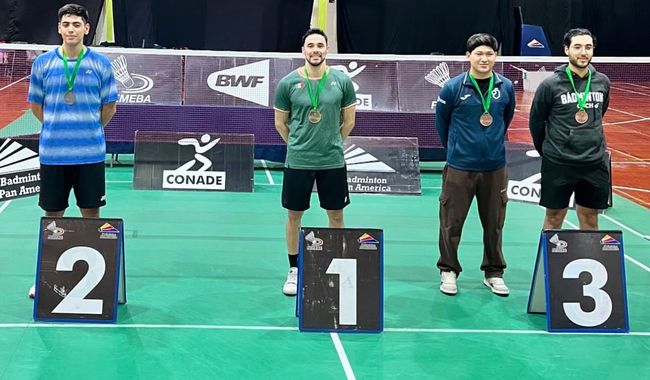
<point>347,271</point>
<point>603,309</point>
<point>75,301</point>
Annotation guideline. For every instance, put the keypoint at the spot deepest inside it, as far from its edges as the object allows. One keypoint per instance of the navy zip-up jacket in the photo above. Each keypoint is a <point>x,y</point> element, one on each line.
<point>470,146</point>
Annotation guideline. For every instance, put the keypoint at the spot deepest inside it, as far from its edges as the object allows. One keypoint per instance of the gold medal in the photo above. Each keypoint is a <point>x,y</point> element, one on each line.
<point>69,97</point>
<point>314,116</point>
<point>485,119</point>
<point>582,116</point>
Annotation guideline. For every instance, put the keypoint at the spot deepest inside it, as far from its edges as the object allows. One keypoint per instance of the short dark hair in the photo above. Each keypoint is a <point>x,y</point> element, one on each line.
<point>313,31</point>
<point>74,10</point>
<point>568,36</point>
<point>482,39</point>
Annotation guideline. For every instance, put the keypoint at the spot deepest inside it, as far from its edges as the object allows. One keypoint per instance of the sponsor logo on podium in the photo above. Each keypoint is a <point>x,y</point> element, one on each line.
<point>368,242</point>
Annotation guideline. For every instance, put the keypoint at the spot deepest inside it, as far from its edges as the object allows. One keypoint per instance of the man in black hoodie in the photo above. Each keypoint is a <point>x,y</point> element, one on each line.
<point>566,124</point>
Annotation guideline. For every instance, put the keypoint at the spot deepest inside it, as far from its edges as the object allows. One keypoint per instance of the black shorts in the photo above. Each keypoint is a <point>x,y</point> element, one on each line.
<point>87,181</point>
<point>332,186</point>
<point>591,185</point>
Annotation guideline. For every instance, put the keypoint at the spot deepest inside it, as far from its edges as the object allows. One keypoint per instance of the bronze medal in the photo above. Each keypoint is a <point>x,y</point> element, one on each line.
<point>314,116</point>
<point>69,97</point>
<point>486,119</point>
<point>582,116</point>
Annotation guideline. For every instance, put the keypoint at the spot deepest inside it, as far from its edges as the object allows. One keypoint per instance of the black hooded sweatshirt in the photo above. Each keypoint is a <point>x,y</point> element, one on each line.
<point>556,133</point>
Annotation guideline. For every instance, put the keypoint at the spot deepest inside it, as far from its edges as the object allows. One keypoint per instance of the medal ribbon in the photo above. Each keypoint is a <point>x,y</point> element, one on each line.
<point>321,84</point>
<point>582,98</point>
<point>70,78</point>
<point>484,100</point>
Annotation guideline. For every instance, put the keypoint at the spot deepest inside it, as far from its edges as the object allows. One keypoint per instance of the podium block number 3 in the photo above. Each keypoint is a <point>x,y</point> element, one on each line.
<point>603,309</point>
<point>75,302</point>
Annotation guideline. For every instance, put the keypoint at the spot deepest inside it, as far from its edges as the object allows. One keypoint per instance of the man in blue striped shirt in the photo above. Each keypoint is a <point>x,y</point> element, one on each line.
<point>72,92</point>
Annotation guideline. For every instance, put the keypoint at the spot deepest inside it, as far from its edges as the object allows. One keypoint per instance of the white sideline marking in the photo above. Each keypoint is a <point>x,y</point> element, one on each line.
<point>631,188</point>
<point>627,257</point>
<point>282,328</point>
<point>268,173</point>
<point>4,205</point>
<point>13,83</point>
<point>349,374</point>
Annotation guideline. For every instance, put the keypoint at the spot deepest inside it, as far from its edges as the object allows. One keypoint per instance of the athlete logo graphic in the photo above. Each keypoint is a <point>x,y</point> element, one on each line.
<point>200,179</point>
<point>352,70</point>
<point>364,101</point>
<point>205,139</point>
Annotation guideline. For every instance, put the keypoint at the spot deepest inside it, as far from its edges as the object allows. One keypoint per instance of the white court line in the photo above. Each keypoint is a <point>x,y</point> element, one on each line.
<point>647,269</point>
<point>626,194</point>
<point>637,85</point>
<point>349,374</point>
<point>146,326</point>
<point>632,91</point>
<point>624,154</point>
<point>492,331</point>
<point>631,188</point>
<point>628,121</point>
<point>640,118</point>
<point>268,173</point>
<point>623,225</point>
<point>13,83</point>
<point>628,257</point>
<point>423,187</point>
<point>627,113</point>
<point>284,328</point>
<point>4,206</point>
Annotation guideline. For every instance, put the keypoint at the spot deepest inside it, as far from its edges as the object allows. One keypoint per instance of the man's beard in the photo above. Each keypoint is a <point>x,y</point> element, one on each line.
<point>576,63</point>
<point>316,64</point>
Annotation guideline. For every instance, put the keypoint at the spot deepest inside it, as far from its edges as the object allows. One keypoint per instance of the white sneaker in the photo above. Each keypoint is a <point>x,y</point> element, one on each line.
<point>290,287</point>
<point>448,283</point>
<point>497,286</point>
<point>32,292</point>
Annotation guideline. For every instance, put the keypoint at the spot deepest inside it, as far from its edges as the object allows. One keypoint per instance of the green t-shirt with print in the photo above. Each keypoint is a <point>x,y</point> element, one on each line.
<point>315,145</point>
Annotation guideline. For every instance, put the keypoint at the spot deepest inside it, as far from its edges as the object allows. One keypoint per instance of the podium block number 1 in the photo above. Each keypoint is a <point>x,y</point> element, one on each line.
<point>347,271</point>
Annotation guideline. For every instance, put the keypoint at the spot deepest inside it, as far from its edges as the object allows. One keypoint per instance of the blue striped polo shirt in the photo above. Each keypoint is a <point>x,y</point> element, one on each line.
<point>72,134</point>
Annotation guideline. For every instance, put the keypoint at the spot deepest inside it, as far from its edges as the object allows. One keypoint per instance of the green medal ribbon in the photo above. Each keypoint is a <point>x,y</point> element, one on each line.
<point>70,78</point>
<point>321,84</point>
<point>484,100</point>
<point>582,98</point>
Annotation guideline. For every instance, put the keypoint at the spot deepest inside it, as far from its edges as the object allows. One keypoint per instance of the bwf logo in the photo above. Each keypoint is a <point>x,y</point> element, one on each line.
<point>249,82</point>
<point>133,86</point>
<point>185,177</point>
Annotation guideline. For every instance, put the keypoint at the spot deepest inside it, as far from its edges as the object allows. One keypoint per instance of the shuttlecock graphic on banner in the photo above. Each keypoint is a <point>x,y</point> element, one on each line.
<point>439,75</point>
<point>121,72</point>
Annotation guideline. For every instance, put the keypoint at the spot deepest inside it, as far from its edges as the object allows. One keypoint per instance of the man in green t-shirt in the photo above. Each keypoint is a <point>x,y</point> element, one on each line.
<point>314,113</point>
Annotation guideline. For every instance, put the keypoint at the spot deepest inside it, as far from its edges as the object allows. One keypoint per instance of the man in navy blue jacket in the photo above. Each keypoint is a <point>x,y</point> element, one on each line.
<point>473,113</point>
